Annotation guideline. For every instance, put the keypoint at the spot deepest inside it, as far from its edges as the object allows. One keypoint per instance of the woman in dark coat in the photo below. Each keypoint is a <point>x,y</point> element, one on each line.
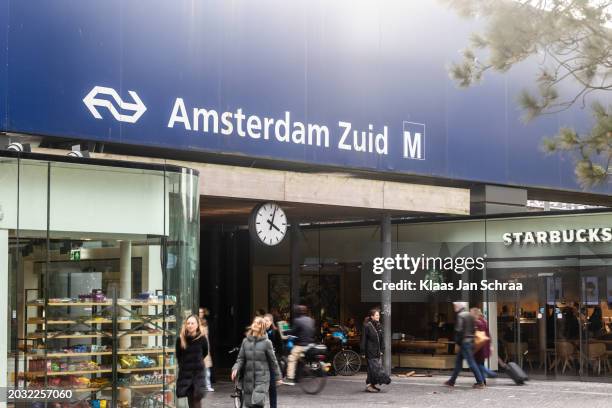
<point>255,360</point>
<point>484,352</point>
<point>191,348</point>
<point>372,346</point>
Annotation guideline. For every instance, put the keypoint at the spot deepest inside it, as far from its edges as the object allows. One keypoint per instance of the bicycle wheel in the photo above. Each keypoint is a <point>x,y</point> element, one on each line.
<point>312,378</point>
<point>347,362</point>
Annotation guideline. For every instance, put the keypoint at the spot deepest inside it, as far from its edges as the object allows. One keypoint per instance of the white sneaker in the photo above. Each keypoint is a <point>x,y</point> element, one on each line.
<point>210,389</point>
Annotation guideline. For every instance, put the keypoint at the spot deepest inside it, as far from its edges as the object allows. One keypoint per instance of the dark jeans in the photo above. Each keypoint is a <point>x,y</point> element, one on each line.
<point>272,390</point>
<point>466,352</point>
<point>485,372</point>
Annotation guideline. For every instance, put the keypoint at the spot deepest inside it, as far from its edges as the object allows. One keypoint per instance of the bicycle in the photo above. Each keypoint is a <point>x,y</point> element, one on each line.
<point>311,370</point>
<point>346,361</point>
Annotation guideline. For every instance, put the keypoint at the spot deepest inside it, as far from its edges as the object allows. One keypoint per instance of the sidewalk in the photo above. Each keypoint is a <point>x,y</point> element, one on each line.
<point>428,392</point>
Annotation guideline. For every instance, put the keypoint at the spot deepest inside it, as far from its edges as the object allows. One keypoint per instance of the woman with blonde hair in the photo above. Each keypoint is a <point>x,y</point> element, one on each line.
<point>191,349</point>
<point>256,359</point>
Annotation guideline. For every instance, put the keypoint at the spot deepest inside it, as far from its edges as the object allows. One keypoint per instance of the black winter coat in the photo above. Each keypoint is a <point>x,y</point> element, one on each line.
<point>372,344</point>
<point>191,367</point>
<point>277,342</point>
<point>257,358</point>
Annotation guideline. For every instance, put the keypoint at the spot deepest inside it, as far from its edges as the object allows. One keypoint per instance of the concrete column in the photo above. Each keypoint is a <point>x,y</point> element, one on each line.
<point>385,229</point>
<point>296,262</point>
<point>125,292</point>
<point>487,200</point>
<point>152,280</point>
<point>542,340</point>
<point>125,285</point>
<point>491,314</point>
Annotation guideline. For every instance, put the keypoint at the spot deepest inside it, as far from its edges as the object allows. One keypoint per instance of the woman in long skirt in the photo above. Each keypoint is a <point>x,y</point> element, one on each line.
<point>373,347</point>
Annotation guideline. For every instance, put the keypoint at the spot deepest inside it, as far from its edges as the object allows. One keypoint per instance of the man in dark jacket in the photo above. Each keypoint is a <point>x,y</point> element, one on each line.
<point>304,331</point>
<point>464,337</point>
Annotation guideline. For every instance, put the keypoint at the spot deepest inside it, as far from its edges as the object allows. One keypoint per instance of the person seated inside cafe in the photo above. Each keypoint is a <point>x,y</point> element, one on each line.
<point>596,327</point>
<point>440,328</point>
<point>351,327</point>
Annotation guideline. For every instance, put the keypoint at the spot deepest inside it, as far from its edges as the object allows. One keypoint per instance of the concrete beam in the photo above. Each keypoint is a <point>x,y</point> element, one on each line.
<point>312,188</point>
<point>240,182</point>
<point>333,190</point>
<point>425,198</point>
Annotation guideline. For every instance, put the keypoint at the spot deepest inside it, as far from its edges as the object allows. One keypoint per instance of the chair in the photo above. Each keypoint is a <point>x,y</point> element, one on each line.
<point>565,355</point>
<point>549,358</point>
<point>596,353</point>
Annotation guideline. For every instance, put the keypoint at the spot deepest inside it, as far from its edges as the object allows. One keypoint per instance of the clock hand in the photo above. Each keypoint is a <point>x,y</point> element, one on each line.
<point>271,222</point>
<point>272,225</point>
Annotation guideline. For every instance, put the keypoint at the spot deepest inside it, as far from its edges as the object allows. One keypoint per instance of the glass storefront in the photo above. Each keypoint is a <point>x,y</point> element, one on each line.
<point>559,326</point>
<point>102,267</point>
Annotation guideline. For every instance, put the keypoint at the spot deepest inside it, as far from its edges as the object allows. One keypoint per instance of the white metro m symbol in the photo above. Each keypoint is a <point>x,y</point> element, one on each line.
<point>414,140</point>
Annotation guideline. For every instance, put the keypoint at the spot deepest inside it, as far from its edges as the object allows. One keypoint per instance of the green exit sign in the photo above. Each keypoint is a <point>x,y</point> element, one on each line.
<point>75,254</point>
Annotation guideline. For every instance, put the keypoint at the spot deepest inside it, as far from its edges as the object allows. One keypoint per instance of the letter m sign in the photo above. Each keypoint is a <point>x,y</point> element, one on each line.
<point>414,140</point>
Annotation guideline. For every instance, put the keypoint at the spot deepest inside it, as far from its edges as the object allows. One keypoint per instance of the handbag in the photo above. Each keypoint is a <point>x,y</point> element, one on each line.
<point>480,339</point>
<point>377,372</point>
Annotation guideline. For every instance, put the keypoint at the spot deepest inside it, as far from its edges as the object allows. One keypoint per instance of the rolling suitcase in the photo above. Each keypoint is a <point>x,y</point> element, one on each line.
<point>515,372</point>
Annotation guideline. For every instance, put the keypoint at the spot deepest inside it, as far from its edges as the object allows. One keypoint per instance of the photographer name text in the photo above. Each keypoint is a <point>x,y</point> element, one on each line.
<point>432,286</point>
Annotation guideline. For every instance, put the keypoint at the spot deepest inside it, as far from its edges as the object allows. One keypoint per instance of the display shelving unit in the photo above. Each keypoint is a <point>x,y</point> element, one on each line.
<point>100,325</point>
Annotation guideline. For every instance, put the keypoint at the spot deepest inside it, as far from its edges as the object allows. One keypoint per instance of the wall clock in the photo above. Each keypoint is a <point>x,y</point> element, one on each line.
<point>268,224</point>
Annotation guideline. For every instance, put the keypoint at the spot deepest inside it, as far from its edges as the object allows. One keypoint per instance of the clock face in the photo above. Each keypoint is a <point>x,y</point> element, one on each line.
<point>268,224</point>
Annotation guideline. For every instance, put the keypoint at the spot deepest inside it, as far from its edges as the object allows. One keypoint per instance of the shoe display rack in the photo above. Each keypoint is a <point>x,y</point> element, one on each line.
<point>80,344</point>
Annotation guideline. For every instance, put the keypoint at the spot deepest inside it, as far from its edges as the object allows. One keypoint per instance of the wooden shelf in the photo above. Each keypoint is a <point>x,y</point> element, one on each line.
<point>99,321</point>
<point>64,355</point>
<point>145,351</point>
<point>69,336</point>
<point>145,386</point>
<point>107,303</point>
<point>132,370</point>
<point>168,320</point>
<point>59,373</point>
<point>50,322</point>
<point>147,303</point>
<point>142,334</point>
<point>108,387</point>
